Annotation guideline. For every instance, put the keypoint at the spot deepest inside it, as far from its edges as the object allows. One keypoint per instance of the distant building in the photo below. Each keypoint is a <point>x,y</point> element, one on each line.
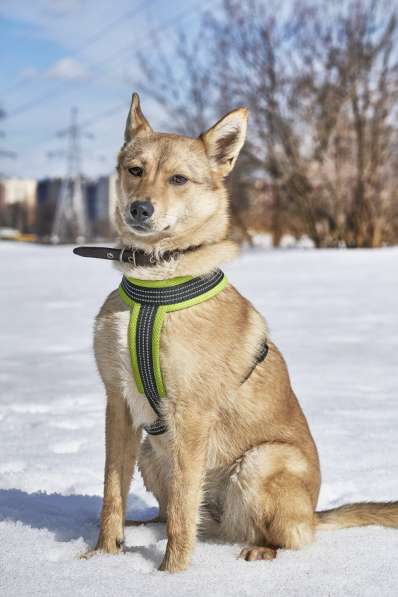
<point>47,195</point>
<point>100,202</point>
<point>18,204</point>
<point>30,206</point>
<point>112,198</point>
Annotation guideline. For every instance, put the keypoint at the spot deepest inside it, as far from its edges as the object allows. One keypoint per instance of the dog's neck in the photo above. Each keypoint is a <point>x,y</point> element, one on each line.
<point>196,261</point>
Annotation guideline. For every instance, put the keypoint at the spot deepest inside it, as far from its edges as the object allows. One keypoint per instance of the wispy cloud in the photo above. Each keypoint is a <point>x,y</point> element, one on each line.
<point>64,69</point>
<point>67,69</point>
<point>79,53</point>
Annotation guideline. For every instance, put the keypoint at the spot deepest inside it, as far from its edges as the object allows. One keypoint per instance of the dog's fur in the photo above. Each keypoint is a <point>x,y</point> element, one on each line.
<point>238,461</point>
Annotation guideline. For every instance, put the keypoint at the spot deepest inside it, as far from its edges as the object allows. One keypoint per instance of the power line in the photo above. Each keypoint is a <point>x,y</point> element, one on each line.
<point>103,115</point>
<point>121,51</point>
<point>5,153</point>
<point>110,111</point>
<point>89,42</point>
<point>94,120</point>
<point>113,25</point>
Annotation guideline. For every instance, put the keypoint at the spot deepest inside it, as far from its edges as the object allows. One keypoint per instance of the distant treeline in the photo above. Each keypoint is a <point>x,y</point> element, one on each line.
<point>321,82</point>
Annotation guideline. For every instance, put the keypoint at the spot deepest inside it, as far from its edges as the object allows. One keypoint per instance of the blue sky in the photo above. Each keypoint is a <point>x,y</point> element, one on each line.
<point>55,54</point>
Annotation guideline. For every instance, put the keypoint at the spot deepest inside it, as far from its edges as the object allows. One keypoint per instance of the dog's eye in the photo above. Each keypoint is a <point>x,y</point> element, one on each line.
<point>178,179</point>
<point>136,171</point>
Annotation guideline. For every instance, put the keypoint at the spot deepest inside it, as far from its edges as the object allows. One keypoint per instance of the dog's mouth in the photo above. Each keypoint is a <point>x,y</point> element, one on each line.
<point>141,228</point>
<point>144,228</point>
<point>147,229</point>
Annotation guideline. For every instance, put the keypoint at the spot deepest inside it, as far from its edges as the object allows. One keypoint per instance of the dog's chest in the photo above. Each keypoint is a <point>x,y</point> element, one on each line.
<point>142,412</point>
<point>179,361</point>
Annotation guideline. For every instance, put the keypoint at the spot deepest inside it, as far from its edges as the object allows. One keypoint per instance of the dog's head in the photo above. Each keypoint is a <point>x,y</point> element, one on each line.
<point>171,191</point>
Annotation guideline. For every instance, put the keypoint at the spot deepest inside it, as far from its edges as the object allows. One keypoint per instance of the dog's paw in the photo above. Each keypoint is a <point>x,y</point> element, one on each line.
<point>88,554</point>
<point>167,566</point>
<point>251,554</point>
<point>173,562</point>
<point>113,547</point>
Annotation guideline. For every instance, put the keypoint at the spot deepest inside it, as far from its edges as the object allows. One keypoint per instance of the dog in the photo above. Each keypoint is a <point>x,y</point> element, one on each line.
<point>237,460</point>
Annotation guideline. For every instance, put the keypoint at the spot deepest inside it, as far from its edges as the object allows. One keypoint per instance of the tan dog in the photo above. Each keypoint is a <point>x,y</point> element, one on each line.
<point>238,460</point>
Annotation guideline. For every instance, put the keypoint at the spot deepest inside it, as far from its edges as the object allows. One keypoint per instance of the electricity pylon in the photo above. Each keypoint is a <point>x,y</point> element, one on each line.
<point>4,153</point>
<point>70,221</point>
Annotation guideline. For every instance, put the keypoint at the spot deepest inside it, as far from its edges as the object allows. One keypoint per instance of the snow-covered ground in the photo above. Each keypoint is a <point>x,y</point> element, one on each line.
<point>334,314</point>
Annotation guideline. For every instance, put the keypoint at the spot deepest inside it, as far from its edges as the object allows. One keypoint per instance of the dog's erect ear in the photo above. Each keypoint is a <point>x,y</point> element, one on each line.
<point>136,121</point>
<point>225,139</point>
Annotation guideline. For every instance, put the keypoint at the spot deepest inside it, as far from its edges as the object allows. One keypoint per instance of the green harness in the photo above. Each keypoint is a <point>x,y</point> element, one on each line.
<point>150,301</point>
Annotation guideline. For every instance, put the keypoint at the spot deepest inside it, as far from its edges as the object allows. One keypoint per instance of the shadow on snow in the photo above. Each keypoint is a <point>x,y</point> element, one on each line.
<point>67,516</point>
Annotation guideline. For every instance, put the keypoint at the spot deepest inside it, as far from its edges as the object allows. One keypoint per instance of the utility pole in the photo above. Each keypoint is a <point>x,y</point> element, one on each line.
<point>4,153</point>
<point>70,221</point>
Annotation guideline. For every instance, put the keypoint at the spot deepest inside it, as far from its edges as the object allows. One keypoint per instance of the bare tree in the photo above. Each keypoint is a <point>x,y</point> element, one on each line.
<point>322,88</point>
<point>193,97</point>
<point>352,86</point>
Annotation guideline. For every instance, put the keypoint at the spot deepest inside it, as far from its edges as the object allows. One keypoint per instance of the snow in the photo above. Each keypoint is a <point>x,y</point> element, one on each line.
<point>334,315</point>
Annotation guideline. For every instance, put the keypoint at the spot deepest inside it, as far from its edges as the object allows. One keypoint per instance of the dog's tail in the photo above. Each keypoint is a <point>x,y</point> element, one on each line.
<point>362,514</point>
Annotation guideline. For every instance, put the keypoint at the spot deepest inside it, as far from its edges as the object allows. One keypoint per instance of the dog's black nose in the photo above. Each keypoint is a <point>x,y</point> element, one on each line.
<point>141,211</point>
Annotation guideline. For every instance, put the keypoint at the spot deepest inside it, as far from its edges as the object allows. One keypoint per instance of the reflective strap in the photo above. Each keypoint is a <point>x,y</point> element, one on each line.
<point>157,428</point>
<point>143,348</point>
<point>173,294</point>
<point>149,305</point>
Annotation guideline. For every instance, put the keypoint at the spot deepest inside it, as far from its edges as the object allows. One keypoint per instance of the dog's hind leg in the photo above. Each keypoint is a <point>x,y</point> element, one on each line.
<point>122,442</point>
<point>285,518</point>
<point>270,501</point>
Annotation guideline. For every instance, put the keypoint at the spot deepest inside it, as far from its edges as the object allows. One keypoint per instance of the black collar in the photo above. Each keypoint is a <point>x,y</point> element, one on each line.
<point>135,257</point>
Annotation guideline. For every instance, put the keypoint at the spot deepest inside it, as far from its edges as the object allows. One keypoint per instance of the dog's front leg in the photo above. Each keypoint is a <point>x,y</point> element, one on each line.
<point>189,437</point>
<point>122,442</point>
